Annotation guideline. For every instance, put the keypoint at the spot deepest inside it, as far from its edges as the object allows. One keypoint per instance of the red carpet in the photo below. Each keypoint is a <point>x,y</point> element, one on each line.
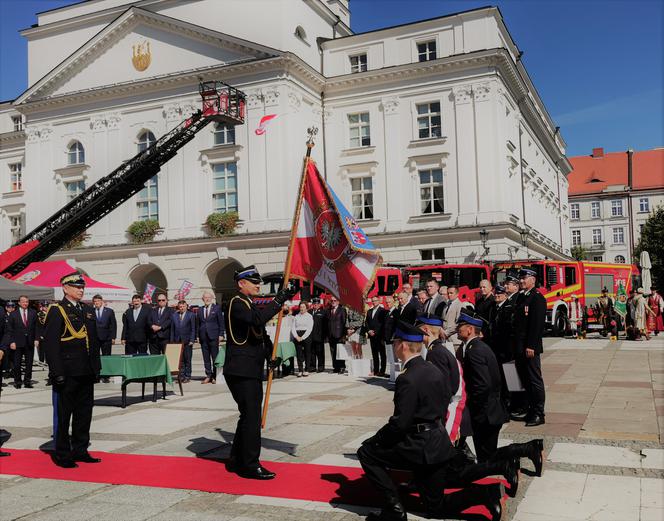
<point>304,481</point>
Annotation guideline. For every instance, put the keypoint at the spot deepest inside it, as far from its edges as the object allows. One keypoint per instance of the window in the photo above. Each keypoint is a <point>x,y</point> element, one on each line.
<point>148,201</point>
<point>362,197</point>
<point>428,120</point>
<point>616,208</point>
<point>574,211</point>
<point>74,189</point>
<point>594,210</point>
<point>431,191</point>
<point>145,140</point>
<point>224,187</point>
<point>576,237</point>
<point>598,258</point>
<point>597,236</point>
<point>359,130</point>
<point>358,63</point>
<point>619,259</point>
<point>570,275</point>
<point>426,51</point>
<point>644,205</point>
<point>16,227</point>
<point>437,254</point>
<point>641,229</point>
<point>17,121</point>
<point>16,177</point>
<point>224,134</point>
<point>618,236</point>
<point>75,154</point>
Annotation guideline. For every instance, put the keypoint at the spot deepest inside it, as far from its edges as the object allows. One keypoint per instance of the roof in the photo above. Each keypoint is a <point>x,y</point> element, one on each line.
<point>594,173</point>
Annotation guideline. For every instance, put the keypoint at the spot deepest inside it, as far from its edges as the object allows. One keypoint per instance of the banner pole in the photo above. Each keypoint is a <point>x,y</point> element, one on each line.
<point>287,268</point>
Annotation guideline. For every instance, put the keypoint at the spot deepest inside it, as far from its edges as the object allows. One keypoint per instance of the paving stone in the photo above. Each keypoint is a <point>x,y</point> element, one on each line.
<point>156,421</point>
<point>221,401</point>
<point>652,493</point>
<point>301,435</point>
<point>47,444</point>
<point>586,454</point>
<point>133,495</point>
<point>85,510</point>
<point>35,417</point>
<point>339,460</point>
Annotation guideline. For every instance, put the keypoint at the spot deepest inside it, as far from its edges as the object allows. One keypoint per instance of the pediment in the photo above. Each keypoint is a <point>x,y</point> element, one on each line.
<point>141,45</point>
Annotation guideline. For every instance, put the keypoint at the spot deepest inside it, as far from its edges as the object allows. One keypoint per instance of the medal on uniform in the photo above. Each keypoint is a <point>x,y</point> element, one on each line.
<point>525,310</point>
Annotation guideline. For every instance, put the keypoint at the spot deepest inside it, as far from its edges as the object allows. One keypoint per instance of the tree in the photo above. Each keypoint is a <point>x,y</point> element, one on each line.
<point>579,253</point>
<point>651,241</point>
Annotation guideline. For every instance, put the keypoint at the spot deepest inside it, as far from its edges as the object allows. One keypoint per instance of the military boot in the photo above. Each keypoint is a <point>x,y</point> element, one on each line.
<point>533,450</point>
<point>490,496</point>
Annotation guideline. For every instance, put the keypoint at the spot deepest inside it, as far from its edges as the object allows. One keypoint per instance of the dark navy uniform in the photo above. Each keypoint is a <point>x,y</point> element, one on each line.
<point>529,319</point>
<point>248,346</point>
<point>72,353</point>
<point>483,384</point>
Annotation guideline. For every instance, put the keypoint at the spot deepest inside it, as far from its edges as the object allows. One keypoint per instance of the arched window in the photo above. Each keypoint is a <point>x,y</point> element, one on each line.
<point>620,259</point>
<point>145,140</point>
<point>148,198</point>
<point>75,154</point>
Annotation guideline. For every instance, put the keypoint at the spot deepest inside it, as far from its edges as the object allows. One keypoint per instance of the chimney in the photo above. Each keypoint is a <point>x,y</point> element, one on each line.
<point>598,152</point>
<point>630,163</point>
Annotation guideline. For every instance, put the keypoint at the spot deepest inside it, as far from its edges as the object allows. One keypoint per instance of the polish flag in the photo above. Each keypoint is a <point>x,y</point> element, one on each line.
<point>262,124</point>
<point>329,247</point>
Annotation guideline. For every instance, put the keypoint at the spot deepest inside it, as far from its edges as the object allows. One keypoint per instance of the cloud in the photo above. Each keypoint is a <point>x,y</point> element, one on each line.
<point>647,101</point>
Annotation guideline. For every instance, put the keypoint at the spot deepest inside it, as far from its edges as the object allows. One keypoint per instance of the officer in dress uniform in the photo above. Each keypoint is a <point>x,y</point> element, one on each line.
<point>528,323</point>
<point>72,354</point>
<point>415,439</point>
<point>248,346</point>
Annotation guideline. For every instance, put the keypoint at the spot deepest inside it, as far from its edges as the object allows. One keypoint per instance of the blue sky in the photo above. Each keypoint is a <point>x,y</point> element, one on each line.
<point>597,64</point>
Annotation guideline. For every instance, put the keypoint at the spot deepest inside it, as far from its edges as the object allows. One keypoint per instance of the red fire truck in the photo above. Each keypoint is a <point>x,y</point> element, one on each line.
<point>559,280</point>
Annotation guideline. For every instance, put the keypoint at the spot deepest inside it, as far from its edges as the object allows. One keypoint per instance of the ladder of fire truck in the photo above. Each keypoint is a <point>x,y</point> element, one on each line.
<point>221,103</point>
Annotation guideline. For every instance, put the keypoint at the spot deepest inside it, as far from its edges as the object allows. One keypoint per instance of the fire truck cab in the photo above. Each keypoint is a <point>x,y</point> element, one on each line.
<point>466,277</point>
<point>559,280</point>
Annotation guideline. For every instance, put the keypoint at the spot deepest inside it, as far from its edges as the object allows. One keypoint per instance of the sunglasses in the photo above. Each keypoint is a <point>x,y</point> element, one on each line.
<point>161,300</point>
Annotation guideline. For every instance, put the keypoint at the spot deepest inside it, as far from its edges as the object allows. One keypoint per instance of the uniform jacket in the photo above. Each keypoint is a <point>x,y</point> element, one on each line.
<point>482,377</point>
<point>212,327</point>
<point>138,330</point>
<point>107,326</point>
<point>318,334</point>
<point>3,324</point>
<point>248,344</point>
<point>183,328</point>
<point>500,338</point>
<point>75,357</point>
<point>375,321</point>
<point>421,396</point>
<point>336,323</point>
<point>529,319</point>
<point>16,331</point>
<point>164,321</point>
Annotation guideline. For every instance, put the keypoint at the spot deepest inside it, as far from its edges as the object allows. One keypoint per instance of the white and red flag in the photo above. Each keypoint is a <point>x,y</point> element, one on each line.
<point>329,247</point>
<point>262,124</point>
<point>148,292</point>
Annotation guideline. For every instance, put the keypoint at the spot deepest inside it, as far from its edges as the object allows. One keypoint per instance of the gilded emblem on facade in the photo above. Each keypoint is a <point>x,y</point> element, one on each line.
<point>141,57</point>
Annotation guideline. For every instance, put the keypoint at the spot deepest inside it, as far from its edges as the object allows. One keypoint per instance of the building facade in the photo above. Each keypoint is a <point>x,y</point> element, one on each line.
<point>611,195</point>
<point>431,132</point>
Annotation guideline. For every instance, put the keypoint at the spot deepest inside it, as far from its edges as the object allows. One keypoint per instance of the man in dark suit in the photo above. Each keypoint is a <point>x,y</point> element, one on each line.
<point>211,331</point>
<point>336,332</point>
<point>160,325</point>
<point>135,327</point>
<point>435,305</point>
<point>373,327</point>
<point>408,306</point>
<point>107,326</point>
<point>483,384</point>
<point>415,439</point>
<point>318,336</point>
<point>247,349</point>
<point>20,335</point>
<point>183,331</point>
<point>72,353</point>
<point>529,320</point>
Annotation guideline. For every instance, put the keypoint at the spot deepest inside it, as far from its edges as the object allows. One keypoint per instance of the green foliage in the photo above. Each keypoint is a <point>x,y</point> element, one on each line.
<point>652,241</point>
<point>221,223</point>
<point>141,232</point>
<point>579,253</point>
<point>77,242</point>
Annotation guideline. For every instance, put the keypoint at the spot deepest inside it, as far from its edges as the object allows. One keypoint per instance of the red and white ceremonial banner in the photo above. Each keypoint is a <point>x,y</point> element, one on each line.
<point>329,247</point>
<point>262,124</point>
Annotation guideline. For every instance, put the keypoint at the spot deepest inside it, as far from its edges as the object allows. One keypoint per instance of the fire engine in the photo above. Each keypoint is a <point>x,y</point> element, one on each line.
<point>559,280</point>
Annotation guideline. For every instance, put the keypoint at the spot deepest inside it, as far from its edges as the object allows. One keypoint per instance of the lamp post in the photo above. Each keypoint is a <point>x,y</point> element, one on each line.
<point>524,240</point>
<point>484,237</point>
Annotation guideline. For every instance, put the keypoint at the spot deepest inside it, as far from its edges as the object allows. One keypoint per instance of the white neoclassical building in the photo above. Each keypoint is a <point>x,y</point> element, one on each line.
<point>431,132</point>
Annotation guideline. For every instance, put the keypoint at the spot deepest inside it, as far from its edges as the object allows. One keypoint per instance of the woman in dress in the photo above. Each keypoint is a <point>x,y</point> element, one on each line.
<point>303,325</point>
<point>354,321</point>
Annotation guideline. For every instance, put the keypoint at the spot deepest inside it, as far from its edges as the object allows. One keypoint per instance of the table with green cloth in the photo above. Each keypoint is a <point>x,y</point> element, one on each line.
<point>285,350</point>
<point>137,369</point>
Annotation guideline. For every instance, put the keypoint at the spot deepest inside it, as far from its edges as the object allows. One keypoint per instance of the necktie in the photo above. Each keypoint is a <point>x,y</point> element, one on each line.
<point>206,312</point>
<point>98,314</point>
<point>25,318</point>
<point>160,310</point>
